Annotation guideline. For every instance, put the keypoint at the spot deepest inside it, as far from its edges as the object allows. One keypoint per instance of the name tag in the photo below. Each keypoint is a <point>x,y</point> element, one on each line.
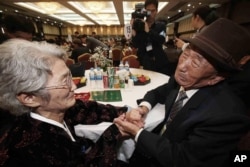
<point>149,47</point>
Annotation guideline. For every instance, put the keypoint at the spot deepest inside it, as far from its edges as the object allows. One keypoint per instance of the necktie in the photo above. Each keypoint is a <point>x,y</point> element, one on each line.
<point>176,107</point>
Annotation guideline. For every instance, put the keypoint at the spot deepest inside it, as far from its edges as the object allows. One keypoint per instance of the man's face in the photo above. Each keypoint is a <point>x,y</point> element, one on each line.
<point>194,71</point>
<point>61,89</point>
<point>84,40</point>
<point>153,10</point>
<point>194,21</point>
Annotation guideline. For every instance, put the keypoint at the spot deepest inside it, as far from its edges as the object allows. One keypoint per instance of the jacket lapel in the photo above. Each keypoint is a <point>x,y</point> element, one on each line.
<point>193,103</point>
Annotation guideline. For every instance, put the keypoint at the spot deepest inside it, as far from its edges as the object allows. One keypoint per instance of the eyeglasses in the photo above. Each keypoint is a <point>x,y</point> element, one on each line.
<point>67,85</point>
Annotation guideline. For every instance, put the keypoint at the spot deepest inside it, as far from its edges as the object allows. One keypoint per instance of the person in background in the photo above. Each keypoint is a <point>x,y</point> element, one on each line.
<point>76,34</point>
<point>37,86</point>
<point>83,38</point>
<point>240,82</point>
<point>114,43</point>
<point>15,26</point>
<point>202,17</point>
<point>211,118</point>
<point>93,43</point>
<point>149,39</point>
<point>173,54</point>
<point>78,49</point>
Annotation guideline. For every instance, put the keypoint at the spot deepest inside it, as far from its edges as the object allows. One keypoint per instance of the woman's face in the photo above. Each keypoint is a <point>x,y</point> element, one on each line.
<point>61,89</point>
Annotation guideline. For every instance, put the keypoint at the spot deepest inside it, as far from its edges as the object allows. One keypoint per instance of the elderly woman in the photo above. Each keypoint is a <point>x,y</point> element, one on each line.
<point>36,85</point>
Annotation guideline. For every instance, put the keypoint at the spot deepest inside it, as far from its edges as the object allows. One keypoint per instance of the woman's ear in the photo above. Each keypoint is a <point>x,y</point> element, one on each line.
<point>28,100</point>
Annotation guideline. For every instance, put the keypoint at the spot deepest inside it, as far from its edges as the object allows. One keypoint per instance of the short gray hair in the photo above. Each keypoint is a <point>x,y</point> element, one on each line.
<point>25,67</point>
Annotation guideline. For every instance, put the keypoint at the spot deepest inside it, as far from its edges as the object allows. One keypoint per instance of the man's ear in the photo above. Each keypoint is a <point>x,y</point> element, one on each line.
<point>216,79</point>
<point>28,100</point>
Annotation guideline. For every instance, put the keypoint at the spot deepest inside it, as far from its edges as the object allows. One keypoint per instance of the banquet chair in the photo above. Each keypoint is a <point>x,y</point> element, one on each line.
<point>132,60</point>
<point>116,56</point>
<point>84,57</point>
<point>69,61</point>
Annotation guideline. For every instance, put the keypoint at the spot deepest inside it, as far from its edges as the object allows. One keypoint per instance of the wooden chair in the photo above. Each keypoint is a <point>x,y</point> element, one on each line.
<point>84,57</point>
<point>132,60</point>
<point>116,56</point>
<point>70,61</point>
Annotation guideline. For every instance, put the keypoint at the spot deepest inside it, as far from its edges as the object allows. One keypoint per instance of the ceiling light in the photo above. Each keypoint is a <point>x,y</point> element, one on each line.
<point>49,7</point>
<point>95,6</point>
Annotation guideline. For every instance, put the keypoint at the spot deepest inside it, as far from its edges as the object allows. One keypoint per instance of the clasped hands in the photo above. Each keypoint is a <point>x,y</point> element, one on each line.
<point>131,122</point>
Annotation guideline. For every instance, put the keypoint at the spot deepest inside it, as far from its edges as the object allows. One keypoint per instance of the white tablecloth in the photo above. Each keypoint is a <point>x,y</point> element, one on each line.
<point>129,97</point>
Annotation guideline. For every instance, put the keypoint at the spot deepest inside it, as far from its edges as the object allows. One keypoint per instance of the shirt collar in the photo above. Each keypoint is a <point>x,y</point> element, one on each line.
<point>189,93</point>
<point>43,119</point>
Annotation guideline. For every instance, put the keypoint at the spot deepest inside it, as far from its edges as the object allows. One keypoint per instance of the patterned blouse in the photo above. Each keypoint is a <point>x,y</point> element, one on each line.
<point>31,142</point>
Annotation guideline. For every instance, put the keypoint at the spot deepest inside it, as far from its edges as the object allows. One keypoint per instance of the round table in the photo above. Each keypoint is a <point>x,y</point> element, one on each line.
<point>129,97</point>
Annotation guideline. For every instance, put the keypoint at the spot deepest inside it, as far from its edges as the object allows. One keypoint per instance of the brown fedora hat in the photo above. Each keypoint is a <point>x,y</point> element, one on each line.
<point>223,43</point>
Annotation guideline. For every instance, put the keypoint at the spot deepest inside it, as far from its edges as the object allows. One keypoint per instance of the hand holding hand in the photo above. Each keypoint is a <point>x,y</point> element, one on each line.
<point>137,115</point>
<point>124,134</point>
<point>126,128</point>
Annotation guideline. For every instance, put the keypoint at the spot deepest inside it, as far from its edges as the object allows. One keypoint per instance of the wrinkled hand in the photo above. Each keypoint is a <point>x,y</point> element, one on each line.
<point>137,116</point>
<point>124,134</point>
<point>127,129</point>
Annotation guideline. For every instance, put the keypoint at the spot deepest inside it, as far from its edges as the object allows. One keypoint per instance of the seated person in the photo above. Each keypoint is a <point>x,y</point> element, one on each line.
<point>17,27</point>
<point>205,126</point>
<point>173,55</point>
<point>37,86</point>
<point>14,26</point>
<point>78,49</point>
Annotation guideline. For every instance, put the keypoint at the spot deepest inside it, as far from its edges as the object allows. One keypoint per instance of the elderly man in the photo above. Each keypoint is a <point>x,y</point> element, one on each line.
<point>37,86</point>
<point>204,119</point>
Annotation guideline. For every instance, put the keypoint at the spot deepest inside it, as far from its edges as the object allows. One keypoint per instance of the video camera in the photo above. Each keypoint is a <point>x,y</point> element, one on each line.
<point>138,15</point>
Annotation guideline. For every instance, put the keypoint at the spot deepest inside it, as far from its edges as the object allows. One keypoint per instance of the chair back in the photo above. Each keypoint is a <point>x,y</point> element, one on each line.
<point>116,56</point>
<point>132,60</point>
<point>88,64</point>
<point>69,61</point>
<point>84,57</point>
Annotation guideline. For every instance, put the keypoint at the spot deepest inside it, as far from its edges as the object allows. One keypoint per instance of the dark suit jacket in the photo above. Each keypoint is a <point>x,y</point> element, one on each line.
<point>203,133</point>
<point>92,43</point>
<point>240,83</point>
<point>154,59</point>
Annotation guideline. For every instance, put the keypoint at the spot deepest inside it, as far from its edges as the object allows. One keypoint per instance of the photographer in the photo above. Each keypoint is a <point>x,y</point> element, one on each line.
<point>148,37</point>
